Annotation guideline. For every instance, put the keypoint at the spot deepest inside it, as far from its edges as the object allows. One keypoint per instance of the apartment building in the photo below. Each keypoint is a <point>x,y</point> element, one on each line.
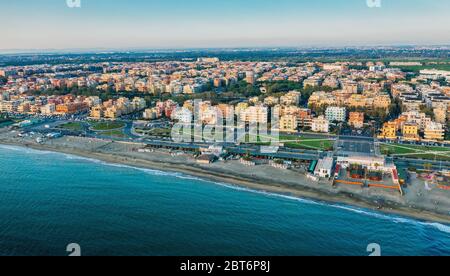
<point>97,112</point>
<point>320,124</point>
<point>182,115</point>
<point>356,119</point>
<point>9,106</point>
<point>291,98</point>
<point>389,131</point>
<point>255,114</point>
<point>434,132</point>
<point>48,109</point>
<point>440,114</point>
<point>312,82</point>
<point>334,113</point>
<point>288,123</point>
<point>410,132</point>
<point>416,117</point>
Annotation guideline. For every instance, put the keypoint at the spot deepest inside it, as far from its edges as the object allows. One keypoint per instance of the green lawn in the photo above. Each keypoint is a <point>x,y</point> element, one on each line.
<point>104,126</point>
<point>418,152</point>
<point>72,126</point>
<point>296,142</point>
<point>444,67</point>
<point>114,133</point>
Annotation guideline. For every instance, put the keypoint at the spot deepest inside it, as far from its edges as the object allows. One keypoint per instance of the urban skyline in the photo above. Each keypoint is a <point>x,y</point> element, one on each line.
<point>225,128</point>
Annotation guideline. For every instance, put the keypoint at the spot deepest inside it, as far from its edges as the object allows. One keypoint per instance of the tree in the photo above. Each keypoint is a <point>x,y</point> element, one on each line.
<point>428,111</point>
<point>427,166</point>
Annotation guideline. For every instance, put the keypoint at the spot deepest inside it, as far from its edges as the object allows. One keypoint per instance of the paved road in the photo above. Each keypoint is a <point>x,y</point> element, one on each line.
<point>238,149</point>
<point>419,164</point>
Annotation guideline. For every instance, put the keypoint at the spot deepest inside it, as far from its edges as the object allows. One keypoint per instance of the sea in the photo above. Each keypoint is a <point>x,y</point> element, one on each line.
<point>50,200</point>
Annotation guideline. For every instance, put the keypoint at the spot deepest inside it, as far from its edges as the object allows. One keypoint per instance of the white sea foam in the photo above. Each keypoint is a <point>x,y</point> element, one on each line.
<point>14,148</point>
<point>396,219</point>
<point>365,212</point>
<point>26,150</point>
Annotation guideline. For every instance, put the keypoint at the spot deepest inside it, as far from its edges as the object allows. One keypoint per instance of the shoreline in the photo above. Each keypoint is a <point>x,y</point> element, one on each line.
<point>255,184</point>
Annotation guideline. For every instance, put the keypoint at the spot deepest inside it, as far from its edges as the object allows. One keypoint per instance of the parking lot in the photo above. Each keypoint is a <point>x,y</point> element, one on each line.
<point>355,146</point>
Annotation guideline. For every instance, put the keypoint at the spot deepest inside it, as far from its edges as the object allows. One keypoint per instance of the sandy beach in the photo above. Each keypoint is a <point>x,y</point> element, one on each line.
<point>431,207</point>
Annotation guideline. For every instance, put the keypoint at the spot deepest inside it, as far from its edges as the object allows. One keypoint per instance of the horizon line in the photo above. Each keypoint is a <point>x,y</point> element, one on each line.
<point>171,49</point>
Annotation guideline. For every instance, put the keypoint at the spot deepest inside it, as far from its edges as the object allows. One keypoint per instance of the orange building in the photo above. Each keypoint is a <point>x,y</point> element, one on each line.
<point>356,119</point>
<point>69,108</point>
<point>389,131</point>
<point>410,132</point>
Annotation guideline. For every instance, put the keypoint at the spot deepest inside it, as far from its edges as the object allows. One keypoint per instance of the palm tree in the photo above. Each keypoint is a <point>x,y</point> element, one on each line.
<point>376,165</point>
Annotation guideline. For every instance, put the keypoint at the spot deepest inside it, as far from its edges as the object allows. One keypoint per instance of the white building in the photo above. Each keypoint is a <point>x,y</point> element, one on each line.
<point>151,114</point>
<point>254,114</point>
<point>139,103</point>
<point>209,115</point>
<point>333,67</point>
<point>291,98</point>
<point>371,163</point>
<point>324,167</point>
<point>434,132</point>
<point>93,101</point>
<point>334,113</point>
<point>9,106</point>
<point>48,109</point>
<point>182,115</point>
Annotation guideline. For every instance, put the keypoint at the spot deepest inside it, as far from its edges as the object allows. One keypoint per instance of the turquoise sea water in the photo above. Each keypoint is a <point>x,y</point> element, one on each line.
<point>49,200</point>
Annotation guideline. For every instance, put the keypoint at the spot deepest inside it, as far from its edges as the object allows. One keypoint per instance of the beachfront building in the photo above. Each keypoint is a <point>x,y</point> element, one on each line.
<point>368,162</point>
<point>324,167</point>
<point>320,124</point>
<point>374,166</point>
<point>334,113</point>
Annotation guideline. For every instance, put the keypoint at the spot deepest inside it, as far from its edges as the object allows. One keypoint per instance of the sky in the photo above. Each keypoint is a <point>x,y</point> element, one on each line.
<point>133,24</point>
